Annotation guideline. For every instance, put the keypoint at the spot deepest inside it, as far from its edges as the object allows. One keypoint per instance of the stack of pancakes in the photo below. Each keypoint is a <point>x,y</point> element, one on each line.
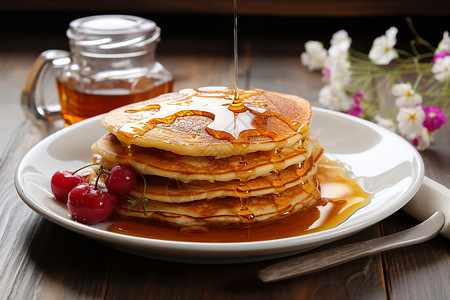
<point>206,164</point>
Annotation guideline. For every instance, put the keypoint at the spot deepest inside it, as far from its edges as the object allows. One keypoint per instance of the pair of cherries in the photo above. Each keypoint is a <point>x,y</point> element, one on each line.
<point>86,202</point>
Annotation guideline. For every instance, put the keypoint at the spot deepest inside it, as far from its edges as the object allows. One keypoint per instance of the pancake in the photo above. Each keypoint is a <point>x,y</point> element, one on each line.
<point>171,191</point>
<point>211,160</point>
<point>152,161</point>
<point>198,122</point>
<point>227,211</point>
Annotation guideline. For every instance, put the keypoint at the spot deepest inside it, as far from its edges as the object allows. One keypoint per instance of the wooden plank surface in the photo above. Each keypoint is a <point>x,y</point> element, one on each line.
<point>407,269</point>
<point>40,260</point>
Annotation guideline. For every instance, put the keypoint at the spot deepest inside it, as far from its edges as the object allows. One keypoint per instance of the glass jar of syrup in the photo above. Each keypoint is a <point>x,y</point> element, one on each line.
<point>111,63</point>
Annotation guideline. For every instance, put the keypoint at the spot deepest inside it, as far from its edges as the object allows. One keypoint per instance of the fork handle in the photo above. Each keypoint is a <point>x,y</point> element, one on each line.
<point>317,261</point>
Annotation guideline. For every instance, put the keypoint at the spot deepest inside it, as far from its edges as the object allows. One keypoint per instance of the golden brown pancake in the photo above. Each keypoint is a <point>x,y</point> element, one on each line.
<point>198,122</point>
<point>209,163</point>
<point>172,191</point>
<point>152,161</point>
<point>227,211</point>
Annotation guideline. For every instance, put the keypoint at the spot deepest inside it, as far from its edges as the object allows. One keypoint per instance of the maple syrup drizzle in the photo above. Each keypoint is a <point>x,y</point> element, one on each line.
<point>245,214</point>
<point>278,160</point>
<point>201,102</point>
<point>213,103</point>
<point>341,197</point>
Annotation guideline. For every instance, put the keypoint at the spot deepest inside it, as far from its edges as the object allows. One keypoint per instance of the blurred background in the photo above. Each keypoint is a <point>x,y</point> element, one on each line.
<point>268,31</point>
<point>296,19</point>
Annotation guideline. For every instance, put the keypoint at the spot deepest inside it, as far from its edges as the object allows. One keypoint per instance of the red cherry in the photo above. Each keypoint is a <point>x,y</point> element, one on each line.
<point>90,206</point>
<point>113,202</point>
<point>62,183</point>
<point>121,179</point>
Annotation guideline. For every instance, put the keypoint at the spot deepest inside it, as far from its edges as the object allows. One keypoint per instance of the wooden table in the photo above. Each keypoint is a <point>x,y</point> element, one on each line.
<point>41,260</point>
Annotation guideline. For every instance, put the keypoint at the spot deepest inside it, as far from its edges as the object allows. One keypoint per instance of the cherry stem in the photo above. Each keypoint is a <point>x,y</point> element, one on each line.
<point>89,165</point>
<point>101,170</point>
<point>144,202</point>
<point>142,199</point>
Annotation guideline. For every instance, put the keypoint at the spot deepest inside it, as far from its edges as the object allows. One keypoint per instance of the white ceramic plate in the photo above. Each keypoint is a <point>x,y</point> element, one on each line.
<point>390,168</point>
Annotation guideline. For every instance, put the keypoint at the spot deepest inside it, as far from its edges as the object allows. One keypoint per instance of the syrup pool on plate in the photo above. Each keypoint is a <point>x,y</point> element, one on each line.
<point>341,197</point>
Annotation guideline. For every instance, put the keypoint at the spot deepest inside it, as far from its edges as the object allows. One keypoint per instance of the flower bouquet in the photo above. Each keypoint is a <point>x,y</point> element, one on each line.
<point>388,86</point>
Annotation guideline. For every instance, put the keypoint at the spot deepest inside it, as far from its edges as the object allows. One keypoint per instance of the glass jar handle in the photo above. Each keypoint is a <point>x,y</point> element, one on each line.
<point>32,92</point>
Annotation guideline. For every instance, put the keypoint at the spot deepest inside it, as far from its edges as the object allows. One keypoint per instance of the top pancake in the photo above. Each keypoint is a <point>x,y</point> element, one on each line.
<point>200,123</point>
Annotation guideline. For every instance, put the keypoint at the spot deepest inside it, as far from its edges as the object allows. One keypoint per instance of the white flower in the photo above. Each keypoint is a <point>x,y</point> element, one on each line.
<point>383,122</point>
<point>315,55</point>
<point>421,140</point>
<point>383,51</point>
<point>340,73</point>
<point>338,51</point>
<point>338,65</point>
<point>405,94</point>
<point>334,97</point>
<point>339,37</point>
<point>410,120</point>
<point>441,69</point>
<point>444,44</point>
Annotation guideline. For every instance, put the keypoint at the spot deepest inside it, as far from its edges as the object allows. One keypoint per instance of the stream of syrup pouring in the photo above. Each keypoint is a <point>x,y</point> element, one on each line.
<point>341,194</point>
<point>237,107</point>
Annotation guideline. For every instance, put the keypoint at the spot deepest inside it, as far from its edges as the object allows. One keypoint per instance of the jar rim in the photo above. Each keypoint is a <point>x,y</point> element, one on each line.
<point>112,34</point>
<point>111,25</point>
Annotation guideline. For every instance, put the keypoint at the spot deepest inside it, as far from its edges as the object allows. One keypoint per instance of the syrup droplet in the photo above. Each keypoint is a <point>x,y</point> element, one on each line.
<point>242,162</point>
<point>301,170</point>
<point>310,189</point>
<point>127,148</point>
<point>278,160</point>
<point>282,201</point>
<point>245,214</point>
<point>243,190</point>
<point>278,183</point>
<point>304,167</point>
<point>237,106</point>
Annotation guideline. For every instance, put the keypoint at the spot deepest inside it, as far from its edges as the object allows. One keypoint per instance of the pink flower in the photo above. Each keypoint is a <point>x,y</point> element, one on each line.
<point>358,98</point>
<point>326,72</point>
<point>356,109</point>
<point>434,118</point>
<point>440,54</point>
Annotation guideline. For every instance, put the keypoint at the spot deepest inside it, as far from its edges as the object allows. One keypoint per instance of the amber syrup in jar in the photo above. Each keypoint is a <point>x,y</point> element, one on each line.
<point>79,105</point>
<point>112,64</point>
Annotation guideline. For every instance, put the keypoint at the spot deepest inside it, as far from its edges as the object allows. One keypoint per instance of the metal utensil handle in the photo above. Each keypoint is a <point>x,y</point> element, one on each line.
<point>317,261</point>
<point>32,94</point>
